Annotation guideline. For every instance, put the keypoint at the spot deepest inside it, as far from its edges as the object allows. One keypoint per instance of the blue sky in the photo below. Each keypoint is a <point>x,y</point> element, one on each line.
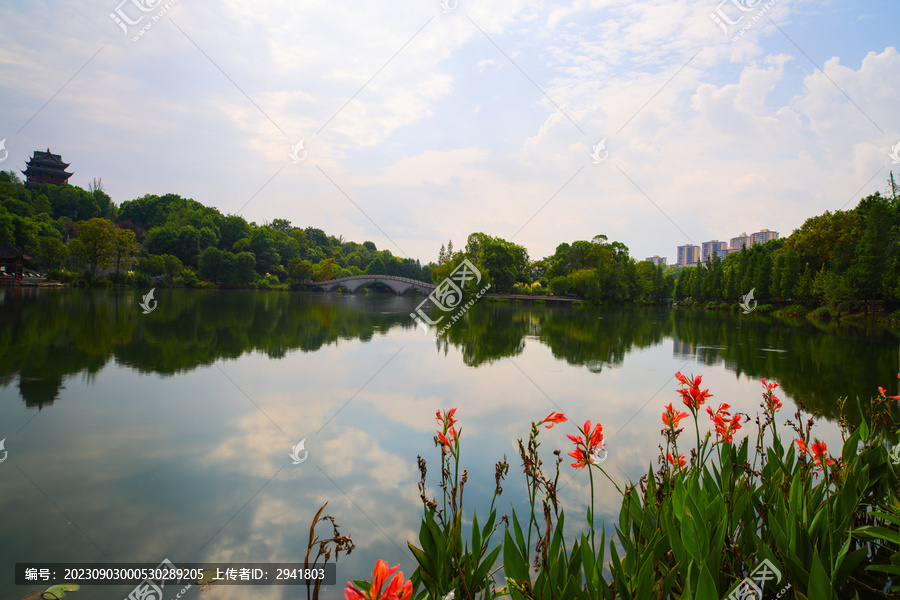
<point>422,125</point>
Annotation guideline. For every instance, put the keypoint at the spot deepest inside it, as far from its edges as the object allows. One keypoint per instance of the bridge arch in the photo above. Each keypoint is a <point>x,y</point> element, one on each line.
<point>400,285</point>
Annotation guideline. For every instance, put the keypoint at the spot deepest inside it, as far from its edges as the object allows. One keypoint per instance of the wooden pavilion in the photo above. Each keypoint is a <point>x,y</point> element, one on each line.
<point>12,262</point>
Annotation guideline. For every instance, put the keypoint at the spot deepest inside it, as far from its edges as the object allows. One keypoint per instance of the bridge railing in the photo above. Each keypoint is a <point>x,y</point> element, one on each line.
<point>375,277</point>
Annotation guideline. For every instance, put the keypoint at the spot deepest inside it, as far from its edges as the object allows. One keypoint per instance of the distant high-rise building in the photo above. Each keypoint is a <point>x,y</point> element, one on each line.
<point>723,252</point>
<point>709,249</point>
<point>763,235</point>
<point>656,259</point>
<point>688,255</point>
<point>740,241</point>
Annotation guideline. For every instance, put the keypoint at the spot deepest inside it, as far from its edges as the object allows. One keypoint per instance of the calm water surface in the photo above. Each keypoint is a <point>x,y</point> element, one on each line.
<point>133,438</point>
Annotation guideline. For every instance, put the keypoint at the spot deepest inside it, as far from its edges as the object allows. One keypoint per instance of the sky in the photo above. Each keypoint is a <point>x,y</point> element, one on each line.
<point>656,123</point>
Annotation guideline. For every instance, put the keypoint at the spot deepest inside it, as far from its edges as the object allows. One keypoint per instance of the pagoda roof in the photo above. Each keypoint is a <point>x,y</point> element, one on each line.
<point>48,157</point>
<point>10,252</point>
<point>37,170</point>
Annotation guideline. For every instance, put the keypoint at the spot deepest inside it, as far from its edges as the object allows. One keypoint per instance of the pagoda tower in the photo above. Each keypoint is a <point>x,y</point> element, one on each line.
<point>45,167</point>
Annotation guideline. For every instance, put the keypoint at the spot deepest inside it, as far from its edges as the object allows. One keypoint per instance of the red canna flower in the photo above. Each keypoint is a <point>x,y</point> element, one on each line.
<point>553,419</point>
<point>690,392</point>
<point>722,411</point>
<point>447,418</point>
<point>678,463</point>
<point>771,403</point>
<point>671,417</point>
<point>585,451</point>
<point>883,392</point>
<point>725,429</point>
<point>396,589</point>
<point>447,441</point>
<point>819,449</point>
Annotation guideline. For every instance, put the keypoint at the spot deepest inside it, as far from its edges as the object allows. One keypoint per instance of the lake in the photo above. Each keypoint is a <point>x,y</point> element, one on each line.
<point>136,437</point>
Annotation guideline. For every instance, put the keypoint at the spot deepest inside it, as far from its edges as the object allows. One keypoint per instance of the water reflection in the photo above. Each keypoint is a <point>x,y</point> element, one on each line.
<point>49,335</point>
<point>169,434</point>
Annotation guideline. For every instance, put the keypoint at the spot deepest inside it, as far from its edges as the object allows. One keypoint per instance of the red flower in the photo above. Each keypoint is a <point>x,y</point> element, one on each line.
<point>772,404</point>
<point>396,589</point>
<point>447,441</point>
<point>725,429</point>
<point>671,417</point>
<point>883,392</point>
<point>678,463</point>
<point>447,418</point>
<point>690,392</point>
<point>722,411</point>
<point>553,419</point>
<point>584,451</point>
<point>819,449</point>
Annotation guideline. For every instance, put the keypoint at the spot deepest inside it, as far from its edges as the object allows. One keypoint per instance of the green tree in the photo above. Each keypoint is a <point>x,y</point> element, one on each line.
<point>152,265</point>
<point>300,270</point>
<point>96,237</point>
<point>124,246</point>
<point>867,270</point>
<point>244,271</point>
<point>51,253</point>
<point>210,264</point>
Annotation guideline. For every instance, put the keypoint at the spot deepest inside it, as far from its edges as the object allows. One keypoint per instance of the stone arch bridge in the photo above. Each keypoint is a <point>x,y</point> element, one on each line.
<point>400,285</point>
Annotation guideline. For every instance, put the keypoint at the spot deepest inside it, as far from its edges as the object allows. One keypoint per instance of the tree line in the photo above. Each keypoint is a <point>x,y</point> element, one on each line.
<point>835,258</point>
<point>69,229</point>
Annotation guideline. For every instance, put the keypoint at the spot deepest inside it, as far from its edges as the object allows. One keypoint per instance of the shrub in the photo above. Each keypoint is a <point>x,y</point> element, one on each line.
<point>142,279</point>
<point>821,313</point>
<point>794,310</point>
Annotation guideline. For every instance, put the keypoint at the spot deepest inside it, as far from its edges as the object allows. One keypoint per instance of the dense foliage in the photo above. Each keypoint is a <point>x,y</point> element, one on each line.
<point>718,516</point>
<point>179,239</point>
<point>835,259</point>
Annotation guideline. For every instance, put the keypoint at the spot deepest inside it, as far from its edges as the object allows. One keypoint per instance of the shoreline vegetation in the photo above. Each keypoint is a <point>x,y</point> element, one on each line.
<point>842,266</point>
<point>717,516</point>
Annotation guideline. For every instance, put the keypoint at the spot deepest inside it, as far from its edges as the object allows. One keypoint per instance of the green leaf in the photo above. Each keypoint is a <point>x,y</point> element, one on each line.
<point>820,586</point>
<point>706,585</point>
<point>875,533</point>
<point>850,446</point>
<point>59,591</point>
<point>892,569</point>
<point>514,565</point>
